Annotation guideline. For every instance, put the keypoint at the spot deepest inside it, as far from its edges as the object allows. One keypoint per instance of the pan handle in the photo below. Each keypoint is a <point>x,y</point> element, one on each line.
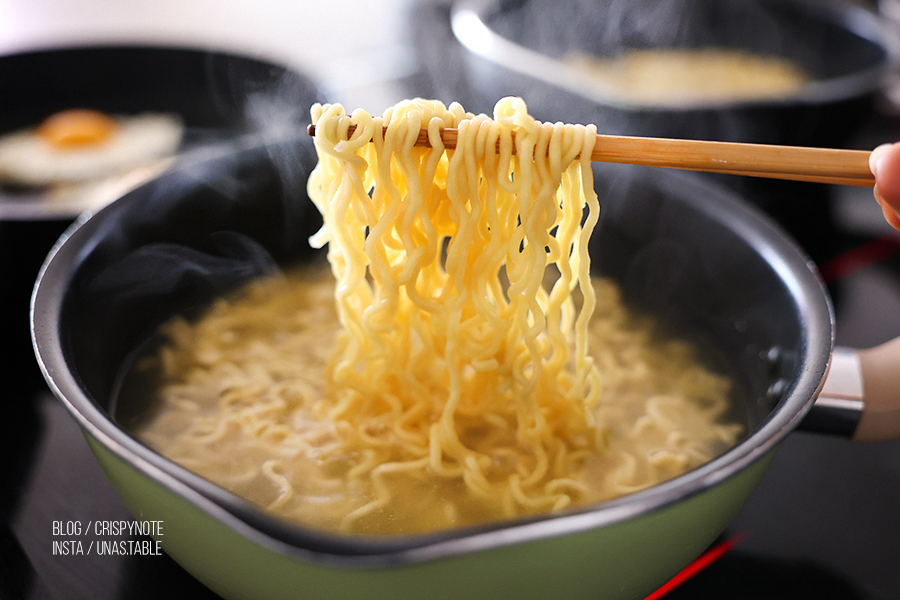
<point>839,407</point>
<point>881,377</point>
<point>860,398</point>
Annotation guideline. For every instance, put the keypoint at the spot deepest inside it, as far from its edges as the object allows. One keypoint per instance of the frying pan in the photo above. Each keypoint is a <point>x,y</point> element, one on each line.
<point>220,96</point>
<point>707,264</point>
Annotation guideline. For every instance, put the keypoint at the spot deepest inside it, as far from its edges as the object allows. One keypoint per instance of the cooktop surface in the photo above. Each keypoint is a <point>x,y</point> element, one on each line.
<point>823,524</point>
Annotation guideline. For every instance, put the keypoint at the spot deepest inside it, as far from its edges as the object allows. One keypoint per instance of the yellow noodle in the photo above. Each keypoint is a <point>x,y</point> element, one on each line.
<point>451,371</point>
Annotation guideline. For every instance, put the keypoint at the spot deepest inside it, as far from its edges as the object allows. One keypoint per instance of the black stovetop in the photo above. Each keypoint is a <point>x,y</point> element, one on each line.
<point>823,524</point>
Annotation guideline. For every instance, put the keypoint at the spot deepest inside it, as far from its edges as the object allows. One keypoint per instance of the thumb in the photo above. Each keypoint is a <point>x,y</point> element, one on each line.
<point>884,163</point>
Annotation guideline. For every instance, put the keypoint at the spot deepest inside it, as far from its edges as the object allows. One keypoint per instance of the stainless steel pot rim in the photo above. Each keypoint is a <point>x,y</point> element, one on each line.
<point>469,28</point>
<point>352,552</point>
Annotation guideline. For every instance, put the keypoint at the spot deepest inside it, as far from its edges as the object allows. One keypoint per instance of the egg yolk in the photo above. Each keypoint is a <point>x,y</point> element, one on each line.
<point>77,127</point>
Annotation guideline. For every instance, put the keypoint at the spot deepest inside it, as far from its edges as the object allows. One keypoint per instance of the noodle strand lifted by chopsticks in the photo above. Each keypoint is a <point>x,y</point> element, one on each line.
<point>442,376</point>
<point>453,356</point>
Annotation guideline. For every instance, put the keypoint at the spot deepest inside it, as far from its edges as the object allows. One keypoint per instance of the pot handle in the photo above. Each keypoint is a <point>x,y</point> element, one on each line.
<point>860,397</point>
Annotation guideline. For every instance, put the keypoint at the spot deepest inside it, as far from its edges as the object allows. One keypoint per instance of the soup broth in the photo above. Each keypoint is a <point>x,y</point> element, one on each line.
<point>238,396</point>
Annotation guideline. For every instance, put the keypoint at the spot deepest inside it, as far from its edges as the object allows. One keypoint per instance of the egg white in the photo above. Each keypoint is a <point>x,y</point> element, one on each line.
<point>27,159</point>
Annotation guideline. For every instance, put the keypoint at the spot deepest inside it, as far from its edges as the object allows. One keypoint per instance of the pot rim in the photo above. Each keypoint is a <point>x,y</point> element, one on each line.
<point>796,271</point>
<point>471,31</point>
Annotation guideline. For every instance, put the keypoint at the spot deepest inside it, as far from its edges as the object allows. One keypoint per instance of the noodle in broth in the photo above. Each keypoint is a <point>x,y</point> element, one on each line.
<point>460,366</point>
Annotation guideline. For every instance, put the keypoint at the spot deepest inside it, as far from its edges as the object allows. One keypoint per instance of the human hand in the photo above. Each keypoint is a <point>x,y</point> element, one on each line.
<point>885,165</point>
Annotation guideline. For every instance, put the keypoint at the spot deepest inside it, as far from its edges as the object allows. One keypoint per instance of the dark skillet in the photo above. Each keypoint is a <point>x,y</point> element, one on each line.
<point>220,96</point>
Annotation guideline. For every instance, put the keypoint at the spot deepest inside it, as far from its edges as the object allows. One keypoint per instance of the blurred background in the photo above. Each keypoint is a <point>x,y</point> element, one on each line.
<point>824,523</point>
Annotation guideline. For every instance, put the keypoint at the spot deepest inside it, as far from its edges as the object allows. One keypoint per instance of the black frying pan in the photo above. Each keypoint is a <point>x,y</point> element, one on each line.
<point>222,98</point>
<point>219,96</point>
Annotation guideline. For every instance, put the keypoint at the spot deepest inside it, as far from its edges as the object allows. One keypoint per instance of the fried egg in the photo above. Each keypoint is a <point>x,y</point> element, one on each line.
<point>80,145</point>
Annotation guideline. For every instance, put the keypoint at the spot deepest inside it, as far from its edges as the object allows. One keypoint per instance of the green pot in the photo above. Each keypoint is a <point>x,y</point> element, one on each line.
<point>622,561</point>
<point>709,265</point>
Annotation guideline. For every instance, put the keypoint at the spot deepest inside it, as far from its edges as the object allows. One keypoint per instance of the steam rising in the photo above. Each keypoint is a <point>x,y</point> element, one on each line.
<point>229,211</point>
<point>275,104</point>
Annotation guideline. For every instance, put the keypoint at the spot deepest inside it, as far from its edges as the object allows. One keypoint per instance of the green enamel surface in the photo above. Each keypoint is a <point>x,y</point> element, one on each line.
<point>621,562</point>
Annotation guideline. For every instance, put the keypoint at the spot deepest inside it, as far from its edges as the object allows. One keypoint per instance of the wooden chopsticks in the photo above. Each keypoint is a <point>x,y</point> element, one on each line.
<point>820,165</point>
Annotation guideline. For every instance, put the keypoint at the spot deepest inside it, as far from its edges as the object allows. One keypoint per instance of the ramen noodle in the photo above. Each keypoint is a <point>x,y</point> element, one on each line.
<point>682,76</point>
<point>458,365</point>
